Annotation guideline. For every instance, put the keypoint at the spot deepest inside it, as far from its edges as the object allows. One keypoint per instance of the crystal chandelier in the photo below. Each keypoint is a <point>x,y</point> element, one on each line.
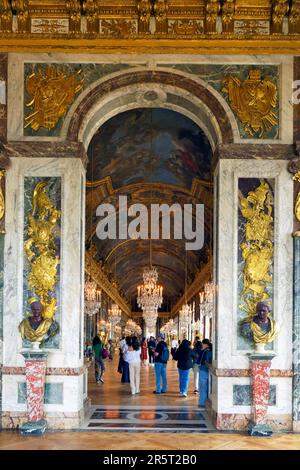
<point>114,314</point>
<point>185,316</point>
<point>92,297</point>
<point>149,293</point>
<point>150,318</point>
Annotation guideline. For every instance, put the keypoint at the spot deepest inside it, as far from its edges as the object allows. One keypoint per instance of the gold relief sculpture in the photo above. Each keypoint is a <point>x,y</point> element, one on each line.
<point>213,8</point>
<point>52,92</point>
<point>5,16</point>
<point>294,17</point>
<point>280,10</point>
<point>90,9</point>
<point>144,12</point>
<point>118,28</point>
<point>253,100</point>
<point>160,9</point>
<point>21,9</point>
<point>296,177</point>
<point>74,9</point>
<point>228,16</point>
<point>186,27</point>
<point>40,249</point>
<point>257,250</point>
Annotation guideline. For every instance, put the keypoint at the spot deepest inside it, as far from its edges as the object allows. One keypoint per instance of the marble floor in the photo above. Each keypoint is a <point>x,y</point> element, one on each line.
<point>115,409</point>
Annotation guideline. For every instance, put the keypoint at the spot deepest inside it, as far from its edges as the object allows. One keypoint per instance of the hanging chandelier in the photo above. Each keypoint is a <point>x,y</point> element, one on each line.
<point>185,316</point>
<point>92,298</point>
<point>114,314</point>
<point>149,293</point>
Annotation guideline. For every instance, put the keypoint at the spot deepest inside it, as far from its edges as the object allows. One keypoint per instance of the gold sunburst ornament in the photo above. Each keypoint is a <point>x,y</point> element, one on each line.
<point>254,101</point>
<point>52,92</point>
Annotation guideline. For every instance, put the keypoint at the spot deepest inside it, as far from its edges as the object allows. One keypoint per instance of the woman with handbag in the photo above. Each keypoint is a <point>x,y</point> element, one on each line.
<point>99,363</point>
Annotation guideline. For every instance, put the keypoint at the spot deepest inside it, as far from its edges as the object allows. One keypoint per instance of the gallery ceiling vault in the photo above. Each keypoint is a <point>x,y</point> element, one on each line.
<point>153,156</point>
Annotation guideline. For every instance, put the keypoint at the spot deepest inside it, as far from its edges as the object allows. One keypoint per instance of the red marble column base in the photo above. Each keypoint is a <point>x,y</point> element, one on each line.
<point>35,364</point>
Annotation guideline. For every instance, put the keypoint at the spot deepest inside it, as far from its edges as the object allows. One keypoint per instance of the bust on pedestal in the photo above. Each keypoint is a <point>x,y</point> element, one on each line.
<point>37,330</point>
<point>262,330</point>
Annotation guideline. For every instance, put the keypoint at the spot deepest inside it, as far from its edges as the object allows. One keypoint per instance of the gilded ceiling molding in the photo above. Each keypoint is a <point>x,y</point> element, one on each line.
<point>280,9</point>
<point>95,270</point>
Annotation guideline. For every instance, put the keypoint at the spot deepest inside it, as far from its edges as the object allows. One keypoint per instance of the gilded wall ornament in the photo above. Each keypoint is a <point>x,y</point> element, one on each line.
<point>296,177</point>
<point>2,201</point>
<point>280,10</point>
<point>5,16</point>
<point>40,249</point>
<point>257,249</point>
<point>254,101</point>
<point>52,93</point>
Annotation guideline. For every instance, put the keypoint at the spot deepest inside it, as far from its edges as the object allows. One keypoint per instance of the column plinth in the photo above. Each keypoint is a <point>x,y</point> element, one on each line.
<point>260,366</point>
<point>35,364</point>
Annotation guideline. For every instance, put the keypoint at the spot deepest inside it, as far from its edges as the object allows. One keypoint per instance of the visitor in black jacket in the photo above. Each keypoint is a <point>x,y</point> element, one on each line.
<point>184,357</point>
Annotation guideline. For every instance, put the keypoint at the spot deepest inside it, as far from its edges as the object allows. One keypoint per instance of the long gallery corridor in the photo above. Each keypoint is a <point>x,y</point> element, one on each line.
<point>114,408</point>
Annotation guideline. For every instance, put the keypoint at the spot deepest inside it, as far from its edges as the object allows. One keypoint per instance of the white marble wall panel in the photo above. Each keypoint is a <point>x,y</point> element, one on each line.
<point>230,171</point>
<point>70,171</point>
<point>72,394</point>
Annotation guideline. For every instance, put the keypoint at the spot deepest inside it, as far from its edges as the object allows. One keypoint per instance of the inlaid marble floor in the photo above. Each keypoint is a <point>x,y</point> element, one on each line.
<point>115,409</point>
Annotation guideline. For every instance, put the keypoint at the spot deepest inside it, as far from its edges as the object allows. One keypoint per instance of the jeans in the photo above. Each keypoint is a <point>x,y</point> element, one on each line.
<point>184,380</point>
<point>203,385</point>
<point>99,367</point>
<point>161,372</point>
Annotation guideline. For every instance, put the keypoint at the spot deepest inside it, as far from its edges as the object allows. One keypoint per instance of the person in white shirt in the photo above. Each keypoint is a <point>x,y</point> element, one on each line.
<point>133,357</point>
<point>174,346</point>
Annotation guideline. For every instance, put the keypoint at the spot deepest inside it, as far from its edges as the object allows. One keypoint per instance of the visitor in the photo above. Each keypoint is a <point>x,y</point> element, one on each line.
<point>161,360</point>
<point>125,372</point>
<point>151,349</point>
<point>121,360</point>
<point>205,358</point>
<point>184,357</point>
<point>144,351</point>
<point>197,349</point>
<point>111,349</point>
<point>174,346</point>
<point>133,357</point>
<point>99,363</point>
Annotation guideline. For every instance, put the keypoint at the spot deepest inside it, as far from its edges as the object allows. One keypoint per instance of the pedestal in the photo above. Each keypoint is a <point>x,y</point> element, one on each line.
<point>260,365</point>
<point>35,363</point>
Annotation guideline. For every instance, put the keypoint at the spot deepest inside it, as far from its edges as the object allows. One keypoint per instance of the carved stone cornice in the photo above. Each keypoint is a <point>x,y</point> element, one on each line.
<point>42,149</point>
<point>193,289</point>
<point>255,151</point>
<point>95,270</point>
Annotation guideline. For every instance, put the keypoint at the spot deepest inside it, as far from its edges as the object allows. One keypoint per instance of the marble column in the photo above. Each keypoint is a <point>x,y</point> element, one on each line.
<point>260,366</point>
<point>296,336</point>
<point>35,366</point>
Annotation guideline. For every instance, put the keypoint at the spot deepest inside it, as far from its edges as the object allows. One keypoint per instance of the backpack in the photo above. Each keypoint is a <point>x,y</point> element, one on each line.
<point>105,353</point>
<point>164,356</point>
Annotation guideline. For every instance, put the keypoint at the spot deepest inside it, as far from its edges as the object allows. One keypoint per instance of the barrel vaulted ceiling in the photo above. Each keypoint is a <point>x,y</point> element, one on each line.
<point>153,156</point>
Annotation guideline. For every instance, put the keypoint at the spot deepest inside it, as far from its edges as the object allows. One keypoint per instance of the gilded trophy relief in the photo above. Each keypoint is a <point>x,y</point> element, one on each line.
<point>255,250</point>
<point>41,260</point>
<point>51,93</point>
<point>255,103</point>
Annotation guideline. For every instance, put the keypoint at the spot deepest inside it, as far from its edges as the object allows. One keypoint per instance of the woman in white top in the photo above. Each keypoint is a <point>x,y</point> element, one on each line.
<point>133,357</point>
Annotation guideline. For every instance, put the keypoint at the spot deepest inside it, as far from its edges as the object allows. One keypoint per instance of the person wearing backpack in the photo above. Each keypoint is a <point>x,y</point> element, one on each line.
<point>161,360</point>
<point>99,363</point>
<point>204,359</point>
<point>184,357</point>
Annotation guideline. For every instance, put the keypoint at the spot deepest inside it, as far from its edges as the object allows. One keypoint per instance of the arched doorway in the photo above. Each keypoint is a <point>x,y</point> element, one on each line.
<point>153,156</point>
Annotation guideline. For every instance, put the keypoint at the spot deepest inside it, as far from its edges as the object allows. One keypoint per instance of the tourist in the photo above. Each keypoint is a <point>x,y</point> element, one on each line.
<point>111,349</point>
<point>184,357</point>
<point>205,358</point>
<point>133,357</point>
<point>161,360</point>
<point>121,360</point>
<point>99,363</point>
<point>151,348</point>
<point>144,351</point>
<point>174,346</point>
<point>125,372</point>
<point>197,349</point>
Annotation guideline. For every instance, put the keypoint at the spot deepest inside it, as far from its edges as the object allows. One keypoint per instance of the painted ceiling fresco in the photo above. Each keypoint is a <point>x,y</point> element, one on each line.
<point>152,156</point>
<point>156,145</point>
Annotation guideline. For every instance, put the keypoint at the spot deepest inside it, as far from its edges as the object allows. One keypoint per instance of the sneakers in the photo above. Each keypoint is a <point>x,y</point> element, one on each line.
<point>162,391</point>
<point>157,393</point>
<point>196,391</point>
<point>184,394</point>
<point>102,380</point>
